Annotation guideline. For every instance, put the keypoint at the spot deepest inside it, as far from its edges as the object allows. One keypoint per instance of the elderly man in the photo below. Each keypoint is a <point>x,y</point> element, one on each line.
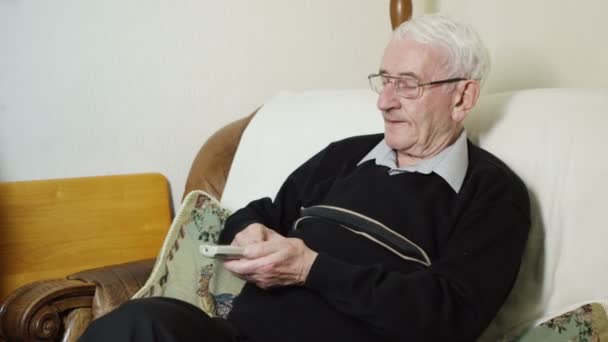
<point>411,235</point>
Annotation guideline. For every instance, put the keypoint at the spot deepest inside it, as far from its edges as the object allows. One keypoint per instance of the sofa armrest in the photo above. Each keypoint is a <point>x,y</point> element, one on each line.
<point>61,309</point>
<point>35,311</point>
<point>114,284</point>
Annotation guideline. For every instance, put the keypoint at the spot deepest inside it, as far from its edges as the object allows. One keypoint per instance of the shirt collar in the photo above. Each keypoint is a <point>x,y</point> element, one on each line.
<point>450,164</point>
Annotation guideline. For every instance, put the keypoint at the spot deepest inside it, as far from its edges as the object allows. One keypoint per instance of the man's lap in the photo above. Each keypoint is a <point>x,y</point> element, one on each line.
<point>159,319</point>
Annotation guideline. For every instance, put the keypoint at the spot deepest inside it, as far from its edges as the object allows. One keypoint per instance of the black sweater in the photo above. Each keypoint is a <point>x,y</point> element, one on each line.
<point>359,291</point>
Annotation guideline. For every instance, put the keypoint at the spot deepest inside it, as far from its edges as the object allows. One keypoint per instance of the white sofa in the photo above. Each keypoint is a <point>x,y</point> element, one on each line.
<point>552,138</point>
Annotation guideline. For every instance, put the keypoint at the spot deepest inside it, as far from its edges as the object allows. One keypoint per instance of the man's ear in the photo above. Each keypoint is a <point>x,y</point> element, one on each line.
<point>465,98</point>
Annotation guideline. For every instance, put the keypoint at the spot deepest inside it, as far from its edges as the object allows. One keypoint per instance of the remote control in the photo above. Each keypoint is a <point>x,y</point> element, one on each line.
<point>222,251</point>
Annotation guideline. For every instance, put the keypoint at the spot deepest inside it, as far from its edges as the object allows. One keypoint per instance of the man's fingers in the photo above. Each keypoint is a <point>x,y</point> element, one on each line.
<point>250,266</point>
<point>270,234</point>
<point>275,262</point>
<point>258,250</point>
<point>253,233</point>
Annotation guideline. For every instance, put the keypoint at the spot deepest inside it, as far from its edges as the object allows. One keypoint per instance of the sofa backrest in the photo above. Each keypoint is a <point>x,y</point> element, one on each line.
<point>552,138</point>
<point>288,130</point>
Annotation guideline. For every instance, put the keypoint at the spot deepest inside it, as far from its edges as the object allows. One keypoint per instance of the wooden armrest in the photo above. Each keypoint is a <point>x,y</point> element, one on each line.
<point>35,311</point>
<point>50,309</point>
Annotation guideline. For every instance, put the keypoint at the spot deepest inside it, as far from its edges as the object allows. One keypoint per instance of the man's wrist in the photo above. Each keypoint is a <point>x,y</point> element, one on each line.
<point>309,259</point>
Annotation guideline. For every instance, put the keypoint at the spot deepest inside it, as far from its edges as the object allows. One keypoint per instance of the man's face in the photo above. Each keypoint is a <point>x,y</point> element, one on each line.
<point>416,126</point>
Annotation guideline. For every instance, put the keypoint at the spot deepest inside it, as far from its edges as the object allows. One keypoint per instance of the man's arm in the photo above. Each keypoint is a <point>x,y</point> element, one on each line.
<point>276,215</point>
<point>268,221</point>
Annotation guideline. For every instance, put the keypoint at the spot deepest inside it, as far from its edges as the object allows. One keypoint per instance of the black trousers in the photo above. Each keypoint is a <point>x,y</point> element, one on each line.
<point>160,319</point>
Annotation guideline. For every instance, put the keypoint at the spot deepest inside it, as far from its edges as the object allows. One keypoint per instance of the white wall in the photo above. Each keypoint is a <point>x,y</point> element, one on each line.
<point>97,87</point>
<point>536,43</point>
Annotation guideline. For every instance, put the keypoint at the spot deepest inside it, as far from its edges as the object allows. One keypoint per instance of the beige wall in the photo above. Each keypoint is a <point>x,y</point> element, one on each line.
<point>109,86</point>
<point>537,43</point>
<point>102,87</point>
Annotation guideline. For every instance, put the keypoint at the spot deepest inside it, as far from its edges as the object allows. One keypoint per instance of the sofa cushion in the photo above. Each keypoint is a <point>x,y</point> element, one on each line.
<point>588,322</point>
<point>181,271</point>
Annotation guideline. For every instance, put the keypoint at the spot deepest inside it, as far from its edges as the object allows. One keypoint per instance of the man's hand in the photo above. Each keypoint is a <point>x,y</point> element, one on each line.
<point>275,261</point>
<point>253,233</point>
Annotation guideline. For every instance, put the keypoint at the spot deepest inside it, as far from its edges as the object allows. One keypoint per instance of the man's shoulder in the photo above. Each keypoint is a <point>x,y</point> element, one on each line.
<point>488,169</point>
<point>370,138</point>
<point>350,150</point>
<point>358,142</point>
<point>482,159</point>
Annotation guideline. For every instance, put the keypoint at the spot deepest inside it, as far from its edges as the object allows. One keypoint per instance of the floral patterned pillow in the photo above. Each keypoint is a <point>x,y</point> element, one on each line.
<point>181,271</point>
<point>588,323</point>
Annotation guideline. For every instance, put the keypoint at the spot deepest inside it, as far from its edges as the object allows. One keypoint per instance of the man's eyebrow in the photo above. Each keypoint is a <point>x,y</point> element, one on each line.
<point>405,73</point>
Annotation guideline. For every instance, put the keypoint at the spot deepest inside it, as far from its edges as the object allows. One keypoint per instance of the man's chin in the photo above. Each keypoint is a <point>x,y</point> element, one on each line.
<point>397,144</point>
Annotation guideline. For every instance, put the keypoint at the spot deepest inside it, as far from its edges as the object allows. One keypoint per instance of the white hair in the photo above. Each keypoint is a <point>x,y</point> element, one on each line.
<point>467,56</point>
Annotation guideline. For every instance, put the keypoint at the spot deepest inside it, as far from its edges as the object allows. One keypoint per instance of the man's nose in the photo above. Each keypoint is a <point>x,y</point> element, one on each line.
<point>387,99</point>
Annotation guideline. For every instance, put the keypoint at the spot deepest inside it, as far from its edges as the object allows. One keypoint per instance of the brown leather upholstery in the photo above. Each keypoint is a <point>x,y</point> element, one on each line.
<point>61,309</point>
<point>210,168</point>
<point>114,284</point>
<point>47,309</point>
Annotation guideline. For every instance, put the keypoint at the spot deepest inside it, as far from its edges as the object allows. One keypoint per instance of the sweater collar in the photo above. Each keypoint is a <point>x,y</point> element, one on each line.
<point>450,164</point>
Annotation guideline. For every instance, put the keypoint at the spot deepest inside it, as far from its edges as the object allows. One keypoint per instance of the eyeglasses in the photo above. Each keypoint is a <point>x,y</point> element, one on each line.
<point>405,86</point>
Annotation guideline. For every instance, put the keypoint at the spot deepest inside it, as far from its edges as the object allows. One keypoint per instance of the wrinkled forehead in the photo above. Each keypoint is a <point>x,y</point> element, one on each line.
<point>408,57</point>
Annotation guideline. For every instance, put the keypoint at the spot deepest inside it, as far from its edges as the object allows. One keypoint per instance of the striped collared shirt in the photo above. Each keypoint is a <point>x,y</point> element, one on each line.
<point>450,164</point>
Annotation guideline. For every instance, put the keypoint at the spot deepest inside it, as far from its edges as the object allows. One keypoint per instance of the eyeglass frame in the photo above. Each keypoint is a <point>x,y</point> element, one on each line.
<point>420,86</point>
